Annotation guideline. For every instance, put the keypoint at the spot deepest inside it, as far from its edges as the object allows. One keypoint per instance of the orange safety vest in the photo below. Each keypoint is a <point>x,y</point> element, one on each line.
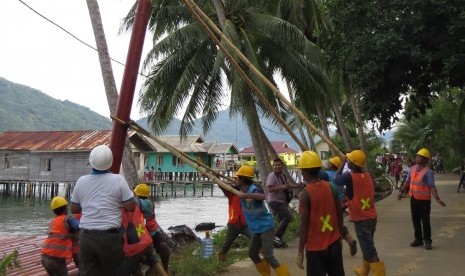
<point>137,219</point>
<point>235,210</point>
<point>362,204</point>
<point>418,188</point>
<point>323,222</point>
<point>58,242</point>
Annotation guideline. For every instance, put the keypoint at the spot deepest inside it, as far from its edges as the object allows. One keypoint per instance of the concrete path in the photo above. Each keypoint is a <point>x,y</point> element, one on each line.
<point>395,232</point>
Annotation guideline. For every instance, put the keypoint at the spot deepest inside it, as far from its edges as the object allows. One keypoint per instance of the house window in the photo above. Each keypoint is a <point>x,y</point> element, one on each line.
<point>159,160</point>
<point>177,161</point>
<point>7,161</point>
<point>137,160</point>
<point>45,164</point>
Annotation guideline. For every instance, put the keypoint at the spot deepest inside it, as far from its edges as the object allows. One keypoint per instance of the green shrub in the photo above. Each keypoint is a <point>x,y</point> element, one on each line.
<point>9,261</point>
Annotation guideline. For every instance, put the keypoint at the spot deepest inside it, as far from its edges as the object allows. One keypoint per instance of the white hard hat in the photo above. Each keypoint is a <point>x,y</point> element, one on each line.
<point>101,158</point>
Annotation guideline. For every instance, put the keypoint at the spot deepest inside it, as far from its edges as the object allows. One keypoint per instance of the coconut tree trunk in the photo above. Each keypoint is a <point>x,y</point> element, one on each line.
<point>129,167</point>
<point>340,121</point>
<point>220,12</point>
<point>324,122</point>
<point>356,108</point>
<point>260,152</point>
<point>297,120</point>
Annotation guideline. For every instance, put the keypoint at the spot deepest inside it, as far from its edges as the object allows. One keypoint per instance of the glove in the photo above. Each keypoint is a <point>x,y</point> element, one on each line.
<point>299,260</point>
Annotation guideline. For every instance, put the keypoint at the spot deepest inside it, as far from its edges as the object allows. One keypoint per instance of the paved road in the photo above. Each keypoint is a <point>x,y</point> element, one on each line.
<point>394,234</point>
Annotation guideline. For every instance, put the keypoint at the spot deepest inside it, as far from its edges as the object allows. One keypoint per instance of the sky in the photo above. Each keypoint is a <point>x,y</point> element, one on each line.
<point>38,54</point>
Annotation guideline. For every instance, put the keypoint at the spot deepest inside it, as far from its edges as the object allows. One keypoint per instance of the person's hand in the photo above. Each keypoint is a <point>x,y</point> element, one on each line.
<point>399,196</point>
<point>442,203</point>
<point>299,260</point>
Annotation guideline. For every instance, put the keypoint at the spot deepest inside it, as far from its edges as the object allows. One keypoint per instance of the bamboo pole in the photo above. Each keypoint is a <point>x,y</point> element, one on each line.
<point>202,18</point>
<point>249,81</point>
<point>178,154</point>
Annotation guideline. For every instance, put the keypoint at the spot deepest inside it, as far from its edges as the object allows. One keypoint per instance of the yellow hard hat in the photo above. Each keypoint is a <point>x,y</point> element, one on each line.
<point>58,202</point>
<point>424,152</point>
<point>336,161</point>
<point>357,157</point>
<point>309,159</point>
<point>142,190</point>
<point>246,171</point>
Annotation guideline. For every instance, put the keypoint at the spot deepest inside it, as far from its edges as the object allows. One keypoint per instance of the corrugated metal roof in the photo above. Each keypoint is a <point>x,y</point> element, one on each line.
<point>223,148</point>
<point>84,140</point>
<point>279,147</point>
<point>192,143</point>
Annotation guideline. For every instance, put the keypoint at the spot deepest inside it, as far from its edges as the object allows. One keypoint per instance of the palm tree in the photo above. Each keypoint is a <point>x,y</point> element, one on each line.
<point>188,71</point>
<point>129,167</point>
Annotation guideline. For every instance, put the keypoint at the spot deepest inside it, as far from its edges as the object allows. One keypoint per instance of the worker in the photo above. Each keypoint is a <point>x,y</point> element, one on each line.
<point>360,192</point>
<point>57,247</point>
<point>321,221</point>
<point>260,222</point>
<point>334,163</point>
<point>420,182</point>
<point>279,194</point>
<point>236,223</point>
<point>142,192</point>
<point>98,197</point>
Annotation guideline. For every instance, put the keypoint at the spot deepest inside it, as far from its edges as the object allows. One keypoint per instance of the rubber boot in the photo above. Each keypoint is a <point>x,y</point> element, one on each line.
<point>282,270</point>
<point>363,270</point>
<point>157,269</point>
<point>378,269</point>
<point>263,268</point>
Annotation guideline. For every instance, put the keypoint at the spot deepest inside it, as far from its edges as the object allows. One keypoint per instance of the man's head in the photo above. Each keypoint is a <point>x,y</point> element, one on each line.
<point>278,165</point>
<point>334,163</point>
<point>309,165</point>
<point>142,190</point>
<point>356,160</point>
<point>59,205</point>
<point>245,175</point>
<point>101,158</point>
<point>422,156</point>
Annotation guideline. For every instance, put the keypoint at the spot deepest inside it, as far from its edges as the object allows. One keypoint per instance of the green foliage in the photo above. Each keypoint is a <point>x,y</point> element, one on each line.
<point>436,129</point>
<point>187,260</point>
<point>395,50</point>
<point>9,261</point>
<point>292,231</point>
<point>24,108</point>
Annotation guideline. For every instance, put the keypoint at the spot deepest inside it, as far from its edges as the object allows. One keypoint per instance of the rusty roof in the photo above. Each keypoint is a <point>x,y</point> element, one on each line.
<point>79,140</point>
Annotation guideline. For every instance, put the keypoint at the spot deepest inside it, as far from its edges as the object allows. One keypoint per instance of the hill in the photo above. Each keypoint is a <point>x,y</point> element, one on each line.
<point>23,108</point>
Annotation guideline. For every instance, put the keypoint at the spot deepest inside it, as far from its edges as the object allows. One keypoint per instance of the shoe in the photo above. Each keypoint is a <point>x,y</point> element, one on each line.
<point>278,243</point>
<point>353,247</point>
<point>428,245</point>
<point>416,243</point>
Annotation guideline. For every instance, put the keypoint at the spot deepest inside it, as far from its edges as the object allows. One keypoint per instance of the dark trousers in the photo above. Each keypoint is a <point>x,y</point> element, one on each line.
<point>421,210</point>
<point>327,262</point>
<point>281,210</point>
<point>54,266</point>
<point>232,233</point>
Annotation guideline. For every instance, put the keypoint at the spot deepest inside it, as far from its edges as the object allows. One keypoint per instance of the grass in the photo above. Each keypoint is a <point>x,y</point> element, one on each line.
<point>187,259</point>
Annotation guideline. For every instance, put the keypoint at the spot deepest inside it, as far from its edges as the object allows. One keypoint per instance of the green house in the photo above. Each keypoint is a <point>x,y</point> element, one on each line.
<point>194,146</point>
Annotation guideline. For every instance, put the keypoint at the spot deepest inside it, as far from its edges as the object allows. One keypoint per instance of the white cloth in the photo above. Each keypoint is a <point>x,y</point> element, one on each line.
<point>100,197</point>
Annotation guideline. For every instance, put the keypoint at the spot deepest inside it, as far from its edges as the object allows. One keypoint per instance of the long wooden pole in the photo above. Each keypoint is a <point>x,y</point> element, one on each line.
<point>202,17</point>
<point>178,154</point>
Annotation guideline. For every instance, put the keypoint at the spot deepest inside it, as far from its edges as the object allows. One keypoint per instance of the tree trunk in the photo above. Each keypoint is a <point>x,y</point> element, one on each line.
<point>355,100</point>
<point>324,123</point>
<point>340,121</point>
<point>220,12</point>
<point>129,167</point>
<point>297,120</point>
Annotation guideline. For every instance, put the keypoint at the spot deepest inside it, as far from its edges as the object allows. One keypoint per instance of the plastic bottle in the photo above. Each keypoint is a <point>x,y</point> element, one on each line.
<point>207,246</point>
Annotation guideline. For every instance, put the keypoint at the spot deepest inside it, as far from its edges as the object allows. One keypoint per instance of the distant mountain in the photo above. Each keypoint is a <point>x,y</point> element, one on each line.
<point>229,130</point>
<point>23,108</point>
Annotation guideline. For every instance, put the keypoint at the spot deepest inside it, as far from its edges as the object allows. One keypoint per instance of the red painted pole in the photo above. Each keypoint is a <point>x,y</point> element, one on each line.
<point>128,85</point>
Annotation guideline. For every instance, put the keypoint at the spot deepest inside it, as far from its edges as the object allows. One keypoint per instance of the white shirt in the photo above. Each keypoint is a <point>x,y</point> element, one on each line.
<point>100,197</point>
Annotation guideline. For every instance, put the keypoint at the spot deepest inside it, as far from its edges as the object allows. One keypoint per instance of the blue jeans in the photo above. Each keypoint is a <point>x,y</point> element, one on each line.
<point>263,241</point>
<point>365,230</point>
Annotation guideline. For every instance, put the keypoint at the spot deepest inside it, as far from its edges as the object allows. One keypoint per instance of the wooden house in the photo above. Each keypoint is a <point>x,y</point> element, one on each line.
<point>54,156</point>
<point>286,153</point>
<point>163,161</point>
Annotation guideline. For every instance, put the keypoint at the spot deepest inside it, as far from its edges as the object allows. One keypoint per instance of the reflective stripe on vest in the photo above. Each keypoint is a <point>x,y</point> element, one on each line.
<point>365,203</point>
<point>418,188</point>
<point>58,244</point>
<point>137,219</point>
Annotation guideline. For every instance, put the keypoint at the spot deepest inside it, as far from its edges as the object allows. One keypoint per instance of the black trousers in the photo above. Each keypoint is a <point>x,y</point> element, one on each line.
<point>421,210</point>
